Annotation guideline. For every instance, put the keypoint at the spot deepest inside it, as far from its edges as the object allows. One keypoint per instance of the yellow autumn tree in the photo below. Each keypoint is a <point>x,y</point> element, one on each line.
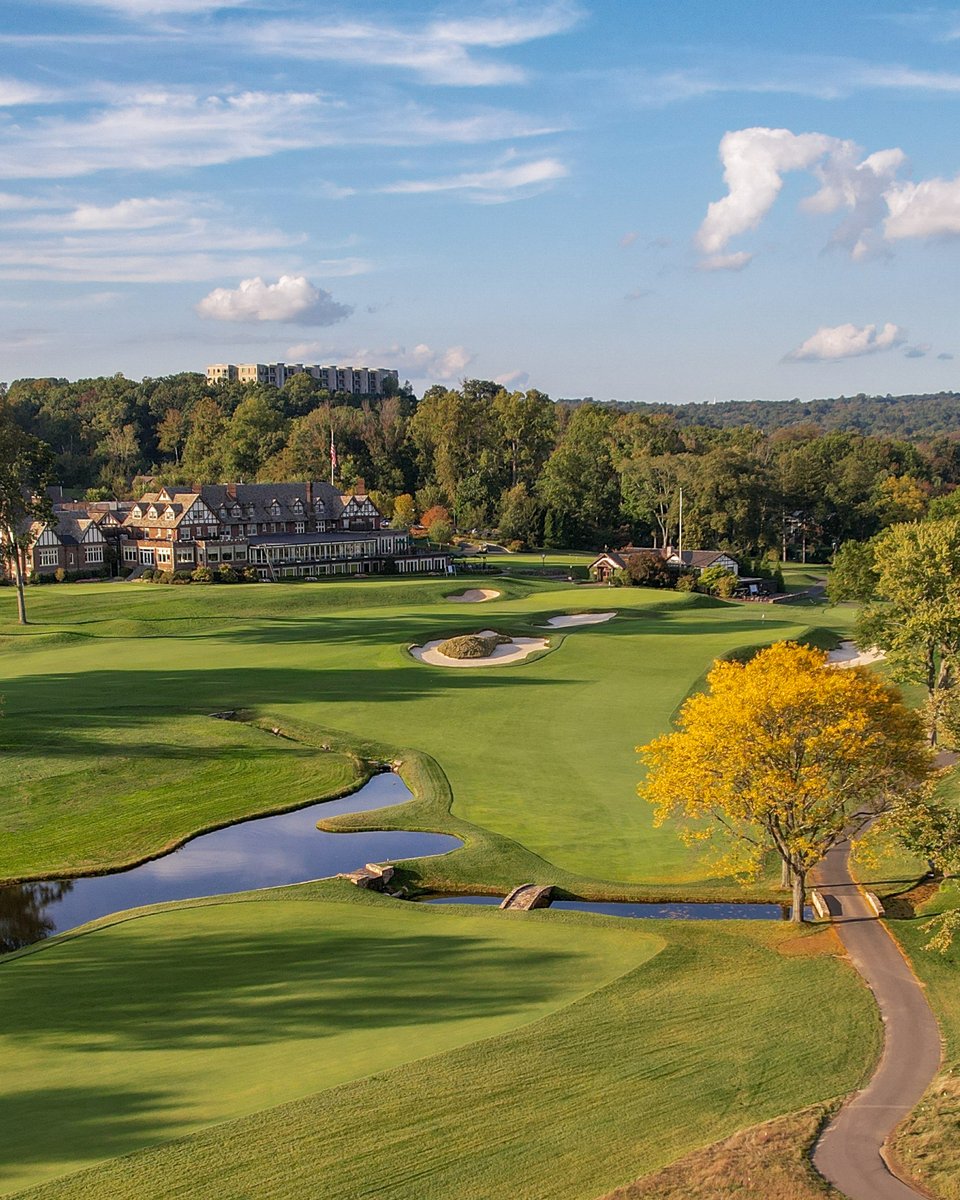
<point>785,753</point>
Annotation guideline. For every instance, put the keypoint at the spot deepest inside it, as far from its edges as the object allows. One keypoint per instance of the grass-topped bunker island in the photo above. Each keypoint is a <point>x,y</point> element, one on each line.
<point>318,1040</point>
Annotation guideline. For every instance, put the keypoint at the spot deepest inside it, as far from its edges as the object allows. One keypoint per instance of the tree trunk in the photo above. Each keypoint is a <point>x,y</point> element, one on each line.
<point>18,578</point>
<point>785,876</point>
<point>799,896</point>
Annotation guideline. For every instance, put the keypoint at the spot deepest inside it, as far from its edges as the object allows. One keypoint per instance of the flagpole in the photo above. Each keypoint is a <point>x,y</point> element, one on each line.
<point>333,455</point>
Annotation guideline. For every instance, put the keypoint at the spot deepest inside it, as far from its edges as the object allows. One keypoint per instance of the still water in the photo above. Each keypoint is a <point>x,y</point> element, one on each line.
<point>675,911</point>
<point>264,852</point>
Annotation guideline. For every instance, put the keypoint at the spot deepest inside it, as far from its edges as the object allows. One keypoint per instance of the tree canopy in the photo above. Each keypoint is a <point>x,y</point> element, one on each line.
<point>784,754</point>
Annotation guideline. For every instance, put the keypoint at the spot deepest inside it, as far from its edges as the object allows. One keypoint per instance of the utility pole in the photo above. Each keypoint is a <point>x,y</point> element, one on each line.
<point>680,537</point>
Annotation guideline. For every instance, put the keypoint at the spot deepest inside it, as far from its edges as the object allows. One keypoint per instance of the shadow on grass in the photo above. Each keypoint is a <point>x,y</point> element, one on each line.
<point>51,1125</point>
<point>220,990</point>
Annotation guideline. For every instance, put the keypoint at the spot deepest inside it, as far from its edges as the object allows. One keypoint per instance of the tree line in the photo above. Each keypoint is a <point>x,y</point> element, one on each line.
<point>535,471</point>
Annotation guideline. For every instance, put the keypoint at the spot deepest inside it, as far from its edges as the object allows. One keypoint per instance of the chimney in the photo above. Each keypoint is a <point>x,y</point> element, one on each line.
<point>360,488</point>
<point>309,493</point>
<point>231,491</point>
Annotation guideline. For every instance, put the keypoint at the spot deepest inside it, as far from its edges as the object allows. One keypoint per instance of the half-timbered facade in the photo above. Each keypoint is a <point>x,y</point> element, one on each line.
<point>68,542</point>
<point>281,530</point>
<point>606,565</point>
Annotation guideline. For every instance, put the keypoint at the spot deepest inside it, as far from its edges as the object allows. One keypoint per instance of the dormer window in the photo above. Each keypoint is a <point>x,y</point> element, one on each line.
<point>235,511</point>
<point>137,512</point>
<point>275,509</point>
<point>152,512</point>
<point>168,513</point>
<point>223,512</point>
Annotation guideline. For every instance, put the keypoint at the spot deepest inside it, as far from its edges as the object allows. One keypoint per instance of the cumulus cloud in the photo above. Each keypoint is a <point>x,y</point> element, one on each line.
<point>830,343</point>
<point>503,183</point>
<point>921,210</point>
<point>444,366</point>
<point>293,298</point>
<point>879,207</point>
<point>754,162</point>
<point>515,380</point>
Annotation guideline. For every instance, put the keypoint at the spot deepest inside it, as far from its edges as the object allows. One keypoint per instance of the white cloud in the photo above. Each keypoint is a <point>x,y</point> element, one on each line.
<point>879,207</point>
<point>438,52</point>
<point>515,380</point>
<point>489,187</point>
<point>920,210</point>
<point>830,343</point>
<point>442,366</point>
<point>293,298</point>
<point>754,162</point>
<point>628,239</point>
<point>726,262</point>
<point>162,129</point>
<point>148,8</point>
<point>14,92</point>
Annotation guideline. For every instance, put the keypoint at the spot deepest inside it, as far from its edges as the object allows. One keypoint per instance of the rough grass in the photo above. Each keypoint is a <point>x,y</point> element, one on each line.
<point>760,1163</point>
<point>716,1031</point>
<point>114,789</point>
<point>472,645</point>
<point>928,1142</point>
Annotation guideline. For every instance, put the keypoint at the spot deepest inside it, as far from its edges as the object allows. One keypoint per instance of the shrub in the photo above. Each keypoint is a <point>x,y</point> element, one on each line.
<point>149,575</point>
<point>473,645</point>
<point>726,586</point>
<point>163,577</point>
<point>227,574</point>
<point>647,569</point>
<point>686,582</point>
<point>181,577</point>
<point>60,575</point>
<point>202,575</point>
<point>515,545</point>
<point>250,575</point>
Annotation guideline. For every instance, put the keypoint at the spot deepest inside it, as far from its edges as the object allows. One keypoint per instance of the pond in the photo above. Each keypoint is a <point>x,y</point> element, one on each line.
<point>673,911</point>
<point>262,852</point>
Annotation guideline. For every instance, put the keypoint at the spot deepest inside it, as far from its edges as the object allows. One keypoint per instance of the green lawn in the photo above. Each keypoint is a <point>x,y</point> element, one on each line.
<point>401,1051</point>
<point>539,753</point>
<point>364,1047</point>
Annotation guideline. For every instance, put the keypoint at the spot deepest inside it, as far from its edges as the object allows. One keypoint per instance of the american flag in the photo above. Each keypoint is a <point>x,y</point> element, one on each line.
<point>333,453</point>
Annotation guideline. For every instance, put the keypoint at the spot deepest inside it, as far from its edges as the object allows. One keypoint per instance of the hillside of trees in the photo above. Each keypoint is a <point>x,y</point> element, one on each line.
<point>534,471</point>
<point>910,417</point>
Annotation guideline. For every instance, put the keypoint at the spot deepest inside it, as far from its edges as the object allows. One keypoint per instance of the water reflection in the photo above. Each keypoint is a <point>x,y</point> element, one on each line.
<point>265,852</point>
<point>24,916</point>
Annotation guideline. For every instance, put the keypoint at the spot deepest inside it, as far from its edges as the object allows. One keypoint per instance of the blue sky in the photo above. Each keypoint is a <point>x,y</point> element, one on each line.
<point>650,200</point>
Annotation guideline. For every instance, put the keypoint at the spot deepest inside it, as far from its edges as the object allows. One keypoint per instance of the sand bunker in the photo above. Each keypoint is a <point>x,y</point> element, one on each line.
<point>474,596</point>
<point>516,651</point>
<point>847,655</point>
<point>565,622</point>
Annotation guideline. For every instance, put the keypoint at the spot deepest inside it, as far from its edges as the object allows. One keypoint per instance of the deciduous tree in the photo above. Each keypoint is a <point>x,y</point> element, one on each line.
<point>915,618</point>
<point>26,471</point>
<point>785,754</point>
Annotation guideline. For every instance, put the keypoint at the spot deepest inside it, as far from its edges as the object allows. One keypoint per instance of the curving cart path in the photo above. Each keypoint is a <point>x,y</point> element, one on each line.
<point>850,1151</point>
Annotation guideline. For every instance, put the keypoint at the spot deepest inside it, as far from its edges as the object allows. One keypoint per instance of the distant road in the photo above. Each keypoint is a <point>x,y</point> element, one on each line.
<point>849,1152</point>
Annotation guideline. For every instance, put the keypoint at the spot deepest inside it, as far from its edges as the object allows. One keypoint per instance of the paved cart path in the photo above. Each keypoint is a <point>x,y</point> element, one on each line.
<point>849,1152</point>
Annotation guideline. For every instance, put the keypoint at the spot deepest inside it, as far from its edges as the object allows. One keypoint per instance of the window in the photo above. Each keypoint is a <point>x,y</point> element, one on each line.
<point>300,527</point>
<point>49,558</point>
<point>129,554</point>
<point>94,554</point>
<point>163,556</point>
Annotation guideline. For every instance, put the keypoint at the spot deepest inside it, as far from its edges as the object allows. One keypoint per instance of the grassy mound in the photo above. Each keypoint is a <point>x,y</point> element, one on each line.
<point>473,645</point>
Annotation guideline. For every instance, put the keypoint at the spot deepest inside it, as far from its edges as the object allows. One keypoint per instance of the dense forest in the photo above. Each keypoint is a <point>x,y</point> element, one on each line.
<point>756,477</point>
